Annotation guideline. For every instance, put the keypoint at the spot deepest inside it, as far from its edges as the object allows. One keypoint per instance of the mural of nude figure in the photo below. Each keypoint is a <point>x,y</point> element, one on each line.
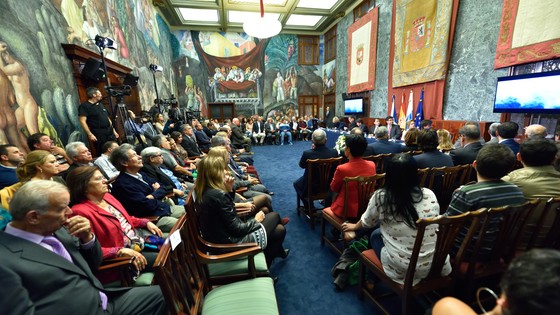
<point>28,112</point>
<point>8,127</point>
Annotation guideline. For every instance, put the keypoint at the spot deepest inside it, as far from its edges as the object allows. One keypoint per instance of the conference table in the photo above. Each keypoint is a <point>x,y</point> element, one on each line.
<point>332,136</point>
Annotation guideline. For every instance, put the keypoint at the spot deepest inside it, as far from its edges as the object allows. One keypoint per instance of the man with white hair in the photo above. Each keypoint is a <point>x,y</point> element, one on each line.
<point>238,138</point>
<point>79,154</point>
<point>535,131</point>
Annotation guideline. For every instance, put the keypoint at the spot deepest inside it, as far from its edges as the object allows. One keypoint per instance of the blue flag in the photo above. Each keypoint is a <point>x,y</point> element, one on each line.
<point>419,110</point>
<point>393,109</point>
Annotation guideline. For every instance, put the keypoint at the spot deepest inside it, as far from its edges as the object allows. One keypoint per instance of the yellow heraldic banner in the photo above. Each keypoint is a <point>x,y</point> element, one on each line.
<point>421,40</point>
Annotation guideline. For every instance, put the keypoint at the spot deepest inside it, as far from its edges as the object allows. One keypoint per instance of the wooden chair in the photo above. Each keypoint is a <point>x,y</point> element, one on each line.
<point>542,226</point>
<point>493,246</point>
<point>447,230</point>
<point>185,287</point>
<point>365,185</point>
<point>468,175</point>
<point>225,263</point>
<point>442,181</point>
<point>320,173</point>
<point>379,160</point>
<point>552,239</point>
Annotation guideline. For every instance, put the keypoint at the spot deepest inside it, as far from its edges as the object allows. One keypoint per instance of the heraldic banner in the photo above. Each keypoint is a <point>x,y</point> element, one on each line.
<point>421,40</point>
<point>362,43</point>
<point>529,32</point>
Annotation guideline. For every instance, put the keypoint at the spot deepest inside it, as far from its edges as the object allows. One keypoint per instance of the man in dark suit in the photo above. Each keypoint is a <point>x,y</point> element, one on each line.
<point>431,156</point>
<point>506,135</point>
<point>48,269</point>
<point>202,139</point>
<point>469,136</point>
<point>137,193</point>
<point>328,117</point>
<point>238,137</point>
<point>393,130</point>
<point>382,145</point>
<point>271,131</point>
<point>258,131</point>
<point>189,142</point>
<point>318,151</point>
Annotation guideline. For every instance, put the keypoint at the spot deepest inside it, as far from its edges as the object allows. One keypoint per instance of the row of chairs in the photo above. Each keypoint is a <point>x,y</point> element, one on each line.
<point>534,224</point>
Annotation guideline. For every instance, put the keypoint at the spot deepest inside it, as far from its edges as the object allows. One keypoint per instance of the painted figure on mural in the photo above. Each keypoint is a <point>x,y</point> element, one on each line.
<point>218,76</point>
<point>279,84</point>
<point>28,112</point>
<point>202,105</point>
<point>8,123</point>
<point>293,83</point>
<point>118,34</point>
<point>90,27</point>
<point>287,84</point>
<point>190,97</point>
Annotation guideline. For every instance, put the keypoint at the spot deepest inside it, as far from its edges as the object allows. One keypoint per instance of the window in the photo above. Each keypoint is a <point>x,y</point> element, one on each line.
<point>330,44</point>
<point>363,8</point>
<point>308,50</point>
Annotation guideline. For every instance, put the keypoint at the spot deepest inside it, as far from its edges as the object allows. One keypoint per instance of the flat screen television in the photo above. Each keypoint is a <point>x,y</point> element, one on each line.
<point>354,106</point>
<point>537,93</point>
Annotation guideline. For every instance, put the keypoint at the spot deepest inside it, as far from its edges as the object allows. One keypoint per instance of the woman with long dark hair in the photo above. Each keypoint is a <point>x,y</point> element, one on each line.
<point>396,207</point>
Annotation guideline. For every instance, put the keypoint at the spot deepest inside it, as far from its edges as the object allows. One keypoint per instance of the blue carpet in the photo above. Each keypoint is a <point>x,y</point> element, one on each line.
<point>305,285</point>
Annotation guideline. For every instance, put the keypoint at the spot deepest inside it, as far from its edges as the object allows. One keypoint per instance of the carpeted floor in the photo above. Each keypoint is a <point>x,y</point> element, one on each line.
<point>305,285</point>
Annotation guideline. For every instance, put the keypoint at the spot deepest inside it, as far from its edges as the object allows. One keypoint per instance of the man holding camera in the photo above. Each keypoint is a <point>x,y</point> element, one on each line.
<point>95,121</point>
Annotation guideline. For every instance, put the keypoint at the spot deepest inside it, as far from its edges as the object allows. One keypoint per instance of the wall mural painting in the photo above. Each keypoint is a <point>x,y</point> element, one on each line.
<point>284,79</point>
<point>329,77</point>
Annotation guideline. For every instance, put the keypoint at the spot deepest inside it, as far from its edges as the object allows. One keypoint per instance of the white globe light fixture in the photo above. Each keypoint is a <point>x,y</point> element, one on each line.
<point>263,26</point>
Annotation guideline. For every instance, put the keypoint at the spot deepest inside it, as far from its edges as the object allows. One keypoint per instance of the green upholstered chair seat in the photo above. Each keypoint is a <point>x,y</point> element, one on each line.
<point>238,266</point>
<point>254,296</point>
<point>145,279</point>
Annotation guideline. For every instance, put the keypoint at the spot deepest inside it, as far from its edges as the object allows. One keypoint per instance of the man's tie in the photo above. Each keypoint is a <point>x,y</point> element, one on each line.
<point>389,130</point>
<point>59,249</point>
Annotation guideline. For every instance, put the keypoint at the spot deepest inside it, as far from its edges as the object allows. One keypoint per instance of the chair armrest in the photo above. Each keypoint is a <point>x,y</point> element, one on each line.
<point>241,189</point>
<point>249,252</point>
<point>213,247</point>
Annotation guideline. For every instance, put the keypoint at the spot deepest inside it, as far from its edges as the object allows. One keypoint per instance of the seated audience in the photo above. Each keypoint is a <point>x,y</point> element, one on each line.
<point>444,141</point>
<point>103,163</point>
<point>409,124</point>
<point>469,137</point>
<point>506,135</point>
<point>41,141</point>
<point>238,138</point>
<point>492,163</point>
<point>376,124</point>
<point>396,207</point>
<point>38,165</point>
<point>202,139</point>
<point>430,156</point>
<point>109,220</point>
<point>393,130</point>
<point>189,141</point>
<point>356,166</point>
<point>143,198</point>
<point>410,140</point>
<point>535,131</point>
<point>493,132</point>
<point>169,160</point>
<point>360,124</point>
<point>538,178</point>
<point>529,286</point>
<point>48,260</point>
<point>258,131</point>
<point>284,129</point>
<point>318,151</point>
<point>218,220</point>
<point>426,124</point>
<point>79,154</point>
<point>159,123</point>
<point>177,150</point>
<point>10,158</point>
<point>304,133</point>
<point>271,131</point>
<point>382,145</point>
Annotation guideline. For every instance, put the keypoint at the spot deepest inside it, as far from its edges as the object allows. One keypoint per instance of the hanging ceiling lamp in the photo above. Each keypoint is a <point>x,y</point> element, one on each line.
<point>263,26</point>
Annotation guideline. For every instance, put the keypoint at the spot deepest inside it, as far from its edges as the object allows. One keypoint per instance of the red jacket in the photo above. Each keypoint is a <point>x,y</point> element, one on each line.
<point>106,226</point>
<point>355,167</point>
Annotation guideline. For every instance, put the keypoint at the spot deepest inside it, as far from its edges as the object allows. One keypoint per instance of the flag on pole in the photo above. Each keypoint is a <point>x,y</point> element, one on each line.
<point>402,117</point>
<point>409,108</point>
<point>419,110</point>
<point>393,109</point>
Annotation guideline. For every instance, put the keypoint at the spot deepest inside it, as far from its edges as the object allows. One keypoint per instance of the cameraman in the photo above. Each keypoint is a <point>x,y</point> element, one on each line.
<point>156,108</point>
<point>95,121</point>
<point>174,122</point>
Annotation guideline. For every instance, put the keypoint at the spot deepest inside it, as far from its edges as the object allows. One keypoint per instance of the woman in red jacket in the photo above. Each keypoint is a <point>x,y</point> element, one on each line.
<point>111,224</point>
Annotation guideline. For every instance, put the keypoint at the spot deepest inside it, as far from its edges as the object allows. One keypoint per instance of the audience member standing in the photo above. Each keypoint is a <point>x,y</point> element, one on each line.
<point>95,120</point>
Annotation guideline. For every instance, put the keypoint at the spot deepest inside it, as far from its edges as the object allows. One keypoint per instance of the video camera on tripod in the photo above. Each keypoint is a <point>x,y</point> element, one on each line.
<point>119,91</point>
<point>169,101</point>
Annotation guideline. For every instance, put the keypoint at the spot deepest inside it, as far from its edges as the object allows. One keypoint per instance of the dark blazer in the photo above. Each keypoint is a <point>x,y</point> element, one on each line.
<point>202,140</point>
<point>155,174</point>
<point>433,159</point>
<point>46,282</point>
<point>190,145</point>
<point>218,220</point>
<point>382,146</point>
<point>237,136</point>
<point>132,193</point>
<point>258,125</point>
<point>396,132</point>
<point>512,144</point>
<point>465,155</point>
<point>320,152</point>
<point>328,119</point>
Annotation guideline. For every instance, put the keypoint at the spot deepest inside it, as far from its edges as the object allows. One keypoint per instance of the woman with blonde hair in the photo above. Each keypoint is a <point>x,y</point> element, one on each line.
<point>158,122</point>
<point>444,140</point>
<point>38,164</point>
<point>218,219</point>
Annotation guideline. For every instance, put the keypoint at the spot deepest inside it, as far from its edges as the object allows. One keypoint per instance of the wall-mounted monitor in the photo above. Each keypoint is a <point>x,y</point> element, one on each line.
<point>528,93</point>
<point>354,106</point>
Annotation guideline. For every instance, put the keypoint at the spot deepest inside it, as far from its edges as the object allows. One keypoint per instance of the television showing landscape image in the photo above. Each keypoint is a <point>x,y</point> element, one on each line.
<point>529,93</point>
<point>354,106</point>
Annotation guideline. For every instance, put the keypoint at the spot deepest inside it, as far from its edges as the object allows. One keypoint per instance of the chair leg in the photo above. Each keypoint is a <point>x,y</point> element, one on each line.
<point>322,231</point>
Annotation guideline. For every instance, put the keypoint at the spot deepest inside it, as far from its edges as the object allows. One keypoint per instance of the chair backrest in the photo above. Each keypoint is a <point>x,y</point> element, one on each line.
<point>468,174</point>
<point>552,239</point>
<point>447,230</point>
<point>178,276</point>
<point>442,181</point>
<point>365,186</point>
<point>379,160</point>
<point>320,173</point>
<point>542,227</point>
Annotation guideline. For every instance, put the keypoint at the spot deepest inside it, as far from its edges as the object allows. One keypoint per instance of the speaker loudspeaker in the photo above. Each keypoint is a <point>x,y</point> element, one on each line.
<point>92,70</point>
